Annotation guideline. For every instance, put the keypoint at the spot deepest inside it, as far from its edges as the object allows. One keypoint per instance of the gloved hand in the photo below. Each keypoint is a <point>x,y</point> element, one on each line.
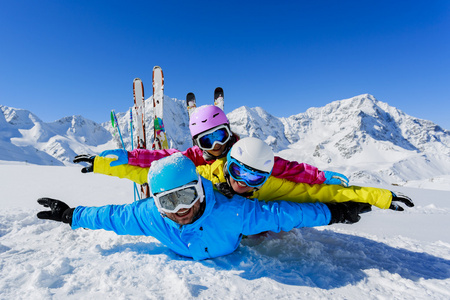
<point>347,212</point>
<point>87,158</point>
<point>399,197</point>
<point>225,189</point>
<point>122,156</point>
<point>60,211</point>
<point>335,178</point>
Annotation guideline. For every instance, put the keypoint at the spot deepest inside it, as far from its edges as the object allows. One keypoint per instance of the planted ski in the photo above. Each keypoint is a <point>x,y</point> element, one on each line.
<point>139,109</point>
<point>160,139</point>
<point>219,98</point>
<point>190,103</point>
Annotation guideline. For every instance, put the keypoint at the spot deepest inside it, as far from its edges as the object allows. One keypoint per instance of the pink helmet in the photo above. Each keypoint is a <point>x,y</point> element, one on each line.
<point>206,117</point>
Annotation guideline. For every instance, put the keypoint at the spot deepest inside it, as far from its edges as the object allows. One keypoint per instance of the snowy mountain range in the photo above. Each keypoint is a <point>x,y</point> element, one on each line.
<point>25,137</point>
<point>364,138</point>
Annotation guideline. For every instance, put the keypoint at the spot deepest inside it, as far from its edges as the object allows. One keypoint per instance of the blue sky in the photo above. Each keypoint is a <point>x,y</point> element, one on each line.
<point>62,58</point>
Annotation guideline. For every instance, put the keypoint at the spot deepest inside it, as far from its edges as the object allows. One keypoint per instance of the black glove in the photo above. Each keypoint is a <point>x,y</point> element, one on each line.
<point>87,158</point>
<point>225,189</point>
<point>60,211</point>
<point>399,197</point>
<point>347,212</point>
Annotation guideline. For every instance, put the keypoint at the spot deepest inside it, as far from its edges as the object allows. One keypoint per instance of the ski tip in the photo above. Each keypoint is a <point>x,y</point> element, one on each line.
<point>158,72</point>
<point>137,79</point>
<point>218,92</point>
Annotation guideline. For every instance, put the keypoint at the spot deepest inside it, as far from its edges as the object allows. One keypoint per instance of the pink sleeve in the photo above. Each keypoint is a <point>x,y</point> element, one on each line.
<point>144,157</point>
<point>297,172</point>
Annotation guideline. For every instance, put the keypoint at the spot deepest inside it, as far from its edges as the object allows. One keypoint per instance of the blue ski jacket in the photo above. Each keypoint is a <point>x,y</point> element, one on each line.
<point>217,232</point>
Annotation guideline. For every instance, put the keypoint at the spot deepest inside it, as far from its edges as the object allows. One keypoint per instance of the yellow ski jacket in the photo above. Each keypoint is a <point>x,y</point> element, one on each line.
<point>273,189</point>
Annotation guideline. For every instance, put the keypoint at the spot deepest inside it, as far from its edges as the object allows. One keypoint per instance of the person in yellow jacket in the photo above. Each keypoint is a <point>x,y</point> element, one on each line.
<point>246,171</point>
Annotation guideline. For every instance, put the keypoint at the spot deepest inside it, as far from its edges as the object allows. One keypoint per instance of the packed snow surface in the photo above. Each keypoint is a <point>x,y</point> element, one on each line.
<point>387,255</point>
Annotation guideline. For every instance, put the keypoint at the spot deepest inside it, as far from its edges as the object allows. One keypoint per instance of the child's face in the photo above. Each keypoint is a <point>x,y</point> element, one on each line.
<point>218,150</point>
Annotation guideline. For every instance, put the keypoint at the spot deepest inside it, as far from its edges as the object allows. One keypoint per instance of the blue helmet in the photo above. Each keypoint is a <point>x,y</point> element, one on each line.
<point>171,172</point>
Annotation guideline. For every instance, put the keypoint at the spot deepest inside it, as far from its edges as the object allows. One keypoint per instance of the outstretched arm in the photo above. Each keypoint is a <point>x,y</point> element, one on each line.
<point>128,219</point>
<point>282,215</point>
<point>297,172</point>
<point>144,157</point>
<point>304,173</point>
<point>109,166</point>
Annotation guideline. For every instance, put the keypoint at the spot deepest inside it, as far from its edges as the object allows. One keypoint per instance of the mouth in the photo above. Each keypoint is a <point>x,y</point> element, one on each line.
<point>217,147</point>
<point>183,212</point>
<point>241,184</point>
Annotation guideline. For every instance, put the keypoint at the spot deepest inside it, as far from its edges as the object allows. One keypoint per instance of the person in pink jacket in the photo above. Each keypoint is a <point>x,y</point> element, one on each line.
<point>212,138</point>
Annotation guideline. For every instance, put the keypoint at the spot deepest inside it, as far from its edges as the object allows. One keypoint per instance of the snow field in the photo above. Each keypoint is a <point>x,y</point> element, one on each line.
<point>387,255</point>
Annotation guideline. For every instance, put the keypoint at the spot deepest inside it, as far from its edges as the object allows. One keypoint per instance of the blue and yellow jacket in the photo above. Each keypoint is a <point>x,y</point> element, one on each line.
<point>273,189</point>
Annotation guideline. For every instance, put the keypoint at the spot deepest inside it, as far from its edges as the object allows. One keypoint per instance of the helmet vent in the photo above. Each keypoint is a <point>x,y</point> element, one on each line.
<point>268,162</point>
<point>240,151</point>
<point>215,115</point>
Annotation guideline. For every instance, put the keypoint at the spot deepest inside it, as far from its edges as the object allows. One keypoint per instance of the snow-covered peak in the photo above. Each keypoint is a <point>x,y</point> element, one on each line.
<point>24,137</point>
<point>82,130</point>
<point>366,132</point>
<point>256,122</point>
<point>16,117</point>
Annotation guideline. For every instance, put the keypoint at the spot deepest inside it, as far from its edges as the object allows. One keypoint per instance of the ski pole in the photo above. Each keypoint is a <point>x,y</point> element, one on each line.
<point>135,190</point>
<point>118,128</point>
<point>114,129</point>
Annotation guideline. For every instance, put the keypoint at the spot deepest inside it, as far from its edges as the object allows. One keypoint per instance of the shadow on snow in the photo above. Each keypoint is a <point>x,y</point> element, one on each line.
<point>327,259</point>
<point>309,257</point>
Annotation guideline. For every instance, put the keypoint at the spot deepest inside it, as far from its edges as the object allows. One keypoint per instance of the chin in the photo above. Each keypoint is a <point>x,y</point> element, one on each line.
<point>215,153</point>
<point>187,218</point>
<point>240,189</point>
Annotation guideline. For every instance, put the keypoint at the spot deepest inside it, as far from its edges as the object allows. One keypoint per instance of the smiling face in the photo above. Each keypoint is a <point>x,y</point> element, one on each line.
<point>185,216</point>
<point>240,187</point>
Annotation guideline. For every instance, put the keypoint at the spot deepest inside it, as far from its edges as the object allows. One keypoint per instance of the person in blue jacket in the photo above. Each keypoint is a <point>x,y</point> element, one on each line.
<point>187,215</point>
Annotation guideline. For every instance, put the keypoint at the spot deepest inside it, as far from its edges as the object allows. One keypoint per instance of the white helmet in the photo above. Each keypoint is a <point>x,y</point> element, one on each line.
<point>253,153</point>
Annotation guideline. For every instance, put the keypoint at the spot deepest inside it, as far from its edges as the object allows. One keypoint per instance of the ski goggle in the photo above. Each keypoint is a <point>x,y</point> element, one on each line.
<point>182,197</point>
<point>218,135</point>
<point>240,172</point>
